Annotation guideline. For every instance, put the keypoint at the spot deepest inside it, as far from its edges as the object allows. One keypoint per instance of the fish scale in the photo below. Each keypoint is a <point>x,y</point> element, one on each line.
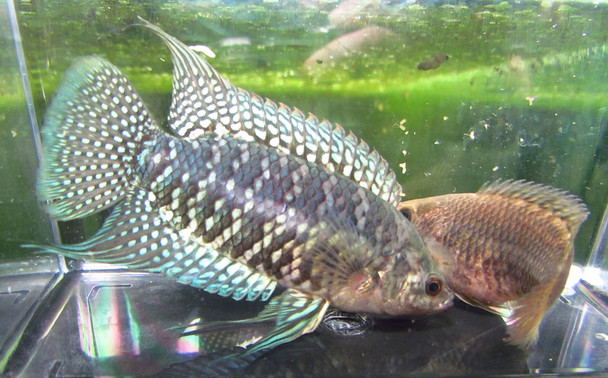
<point>302,193</point>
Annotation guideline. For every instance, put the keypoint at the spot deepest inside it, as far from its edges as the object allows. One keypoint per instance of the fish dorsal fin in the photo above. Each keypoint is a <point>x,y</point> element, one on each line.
<point>563,204</point>
<point>136,236</point>
<point>285,318</point>
<point>203,101</point>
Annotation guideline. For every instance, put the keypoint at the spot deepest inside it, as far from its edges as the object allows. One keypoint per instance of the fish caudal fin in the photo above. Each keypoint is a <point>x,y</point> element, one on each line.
<point>203,101</point>
<point>93,137</point>
<point>527,312</point>
<point>285,318</point>
<point>92,133</point>
<point>135,235</point>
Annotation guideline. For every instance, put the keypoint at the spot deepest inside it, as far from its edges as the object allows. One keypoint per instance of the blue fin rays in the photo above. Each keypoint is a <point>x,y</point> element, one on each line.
<point>285,318</point>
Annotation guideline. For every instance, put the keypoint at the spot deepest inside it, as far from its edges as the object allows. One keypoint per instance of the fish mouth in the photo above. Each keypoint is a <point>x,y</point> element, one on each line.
<point>435,309</point>
<point>428,306</point>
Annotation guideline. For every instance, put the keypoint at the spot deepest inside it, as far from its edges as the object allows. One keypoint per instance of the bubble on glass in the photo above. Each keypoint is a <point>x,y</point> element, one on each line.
<point>346,324</point>
<point>601,336</point>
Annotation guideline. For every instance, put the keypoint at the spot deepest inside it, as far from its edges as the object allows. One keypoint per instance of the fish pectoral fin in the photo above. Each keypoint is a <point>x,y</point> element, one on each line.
<point>344,258</point>
<point>135,235</point>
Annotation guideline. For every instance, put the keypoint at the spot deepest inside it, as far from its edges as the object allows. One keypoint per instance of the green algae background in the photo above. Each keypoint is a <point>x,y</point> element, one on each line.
<point>523,94</point>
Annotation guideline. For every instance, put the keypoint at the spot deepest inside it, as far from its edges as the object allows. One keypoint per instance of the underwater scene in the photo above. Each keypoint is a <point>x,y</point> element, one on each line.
<point>427,126</point>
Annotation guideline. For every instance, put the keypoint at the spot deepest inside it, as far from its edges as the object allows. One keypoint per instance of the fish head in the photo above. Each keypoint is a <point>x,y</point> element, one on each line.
<point>412,284</point>
<point>416,210</point>
<point>395,276</point>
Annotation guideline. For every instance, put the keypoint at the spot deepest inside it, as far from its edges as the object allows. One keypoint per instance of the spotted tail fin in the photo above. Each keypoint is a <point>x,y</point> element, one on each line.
<point>92,134</point>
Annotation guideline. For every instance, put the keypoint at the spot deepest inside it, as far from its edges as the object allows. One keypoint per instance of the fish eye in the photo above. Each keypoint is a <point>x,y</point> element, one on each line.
<point>433,286</point>
<point>407,212</point>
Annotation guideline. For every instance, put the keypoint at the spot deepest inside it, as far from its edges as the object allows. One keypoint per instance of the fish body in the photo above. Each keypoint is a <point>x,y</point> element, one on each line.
<point>284,218</point>
<point>507,248</point>
<point>345,46</point>
<point>229,215</point>
<point>433,62</point>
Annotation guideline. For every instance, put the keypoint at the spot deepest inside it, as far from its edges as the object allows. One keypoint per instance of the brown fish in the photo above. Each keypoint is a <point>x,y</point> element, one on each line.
<point>507,248</point>
<point>433,62</point>
<point>347,45</point>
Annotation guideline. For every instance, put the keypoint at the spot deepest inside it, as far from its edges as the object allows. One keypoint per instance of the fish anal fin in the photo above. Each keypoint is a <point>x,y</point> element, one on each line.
<point>135,235</point>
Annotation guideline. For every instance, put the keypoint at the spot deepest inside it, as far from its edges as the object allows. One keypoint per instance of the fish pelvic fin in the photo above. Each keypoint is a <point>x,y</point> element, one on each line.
<point>135,235</point>
<point>528,311</point>
<point>203,101</point>
<point>502,310</point>
<point>567,206</point>
<point>92,134</point>
<point>285,318</point>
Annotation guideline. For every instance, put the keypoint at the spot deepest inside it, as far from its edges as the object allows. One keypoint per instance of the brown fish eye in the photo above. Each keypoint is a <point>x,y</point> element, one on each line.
<point>433,286</point>
<point>407,213</point>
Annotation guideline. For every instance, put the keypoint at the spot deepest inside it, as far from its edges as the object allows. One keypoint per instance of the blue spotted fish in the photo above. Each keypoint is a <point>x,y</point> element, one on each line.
<point>229,215</point>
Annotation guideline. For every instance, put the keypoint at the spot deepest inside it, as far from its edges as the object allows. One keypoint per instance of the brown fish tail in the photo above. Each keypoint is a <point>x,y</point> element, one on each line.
<point>529,310</point>
<point>567,206</point>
